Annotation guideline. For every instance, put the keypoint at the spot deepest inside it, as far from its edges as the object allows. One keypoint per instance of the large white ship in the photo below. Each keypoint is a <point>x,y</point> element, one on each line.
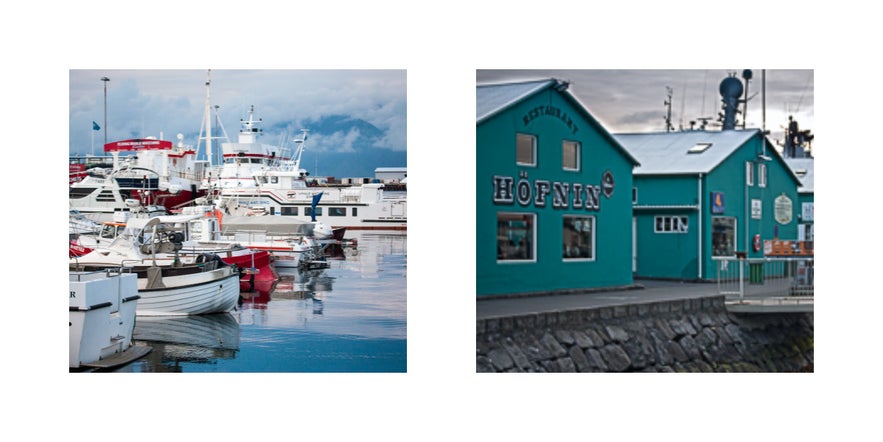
<point>260,179</point>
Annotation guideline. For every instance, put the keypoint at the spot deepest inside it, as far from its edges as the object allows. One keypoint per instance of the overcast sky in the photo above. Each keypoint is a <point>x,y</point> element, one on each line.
<point>163,102</point>
<point>633,100</point>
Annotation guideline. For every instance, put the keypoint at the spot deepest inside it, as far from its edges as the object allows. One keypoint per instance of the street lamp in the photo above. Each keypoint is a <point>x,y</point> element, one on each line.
<point>105,80</point>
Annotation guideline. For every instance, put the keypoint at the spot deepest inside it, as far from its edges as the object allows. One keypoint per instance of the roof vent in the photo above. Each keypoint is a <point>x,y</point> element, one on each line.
<point>699,148</point>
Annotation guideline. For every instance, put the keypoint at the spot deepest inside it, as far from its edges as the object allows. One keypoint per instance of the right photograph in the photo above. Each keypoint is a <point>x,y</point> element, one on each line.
<point>644,221</point>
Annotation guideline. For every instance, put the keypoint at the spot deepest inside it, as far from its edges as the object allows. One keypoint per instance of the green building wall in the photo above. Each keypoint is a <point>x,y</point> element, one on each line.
<point>495,156</point>
<point>667,255</point>
<point>677,256</point>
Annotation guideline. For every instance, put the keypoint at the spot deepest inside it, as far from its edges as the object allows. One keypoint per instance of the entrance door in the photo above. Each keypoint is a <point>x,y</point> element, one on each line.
<point>634,245</point>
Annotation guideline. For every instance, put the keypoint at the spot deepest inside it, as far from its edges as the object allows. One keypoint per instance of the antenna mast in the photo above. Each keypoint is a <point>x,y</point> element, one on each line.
<point>667,103</point>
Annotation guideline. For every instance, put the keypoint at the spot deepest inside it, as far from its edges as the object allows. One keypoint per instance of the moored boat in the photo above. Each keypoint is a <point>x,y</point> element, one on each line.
<point>167,284</point>
<point>102,319</point>
<point>157,176</point>
<point>259,178</point>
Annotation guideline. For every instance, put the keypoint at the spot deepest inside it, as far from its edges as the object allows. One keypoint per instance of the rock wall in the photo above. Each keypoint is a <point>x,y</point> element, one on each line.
<point>691,335</point>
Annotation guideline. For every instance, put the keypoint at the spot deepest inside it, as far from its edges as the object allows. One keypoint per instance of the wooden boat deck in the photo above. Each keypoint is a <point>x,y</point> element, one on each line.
<point>130,354</point>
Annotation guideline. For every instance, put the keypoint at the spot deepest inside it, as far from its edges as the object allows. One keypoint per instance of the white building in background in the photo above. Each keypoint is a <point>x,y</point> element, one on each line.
<point>390,174</point>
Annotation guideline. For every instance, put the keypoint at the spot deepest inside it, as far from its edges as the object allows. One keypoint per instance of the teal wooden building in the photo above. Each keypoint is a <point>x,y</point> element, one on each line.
<point>703,195</point>
<point>553,193</point>
<point>803,168</point>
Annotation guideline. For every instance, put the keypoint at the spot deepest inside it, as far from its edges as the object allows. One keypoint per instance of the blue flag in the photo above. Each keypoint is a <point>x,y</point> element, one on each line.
<point>316,199</point>
<point>95,126</point>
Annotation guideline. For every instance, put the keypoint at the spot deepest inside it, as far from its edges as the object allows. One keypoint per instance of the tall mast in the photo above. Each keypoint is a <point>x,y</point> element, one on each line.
<point>208,117</point>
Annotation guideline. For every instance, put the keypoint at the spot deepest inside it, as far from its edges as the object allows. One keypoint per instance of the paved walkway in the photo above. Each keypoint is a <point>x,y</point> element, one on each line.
<point>644,291</point>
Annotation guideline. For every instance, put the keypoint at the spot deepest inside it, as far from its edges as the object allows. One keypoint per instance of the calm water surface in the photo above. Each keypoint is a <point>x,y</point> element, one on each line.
<point>350,317</point>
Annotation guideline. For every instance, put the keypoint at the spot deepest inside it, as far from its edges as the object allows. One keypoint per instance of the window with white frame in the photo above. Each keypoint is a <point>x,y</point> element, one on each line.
<point>670,224</point>
<point>761,175</point>
<point>749,174</point>
<point>578,237</point>
<point>723,236</point>
<point>516,233</point>
<point>525,149</point>
<point>570,154</point>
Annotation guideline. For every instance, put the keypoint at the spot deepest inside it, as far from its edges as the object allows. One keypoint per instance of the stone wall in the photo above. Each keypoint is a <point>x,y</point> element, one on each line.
<point>691,335</point>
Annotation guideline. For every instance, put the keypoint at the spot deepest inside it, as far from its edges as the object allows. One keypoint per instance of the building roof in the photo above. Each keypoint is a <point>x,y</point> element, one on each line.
<point>492,99</point>
<point>686,152</point>
<point>390,169</point>
<point>803,168</point>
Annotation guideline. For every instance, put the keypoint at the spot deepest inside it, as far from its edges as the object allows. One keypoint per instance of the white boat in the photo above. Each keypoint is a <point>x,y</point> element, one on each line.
<point>102,319</point>
<point>256,178</point>
<point>167,283</point>
<point>156,177</point>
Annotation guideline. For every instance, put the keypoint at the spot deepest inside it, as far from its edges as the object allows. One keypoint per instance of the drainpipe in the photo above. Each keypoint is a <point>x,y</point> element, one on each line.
<point>699,238</point>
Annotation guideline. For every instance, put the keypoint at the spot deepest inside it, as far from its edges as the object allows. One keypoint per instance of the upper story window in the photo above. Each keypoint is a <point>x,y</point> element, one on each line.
<point>749,174</point>
<point>526,150</point>
<point>761,175</point>
<point>570,155</point>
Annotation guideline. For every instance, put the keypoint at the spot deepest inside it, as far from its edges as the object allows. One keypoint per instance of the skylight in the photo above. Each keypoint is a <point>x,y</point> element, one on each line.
<point>699,148</point>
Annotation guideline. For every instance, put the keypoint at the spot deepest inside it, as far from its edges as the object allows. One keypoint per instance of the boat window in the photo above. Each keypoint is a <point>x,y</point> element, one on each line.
<point>108,231</point>
<point>289,211</point>
<point>515,236</point>
<point>337,211</point>
<point>274,179</point>
<point>355,211</point>
<point>579,237</point>
<point>308,211</point>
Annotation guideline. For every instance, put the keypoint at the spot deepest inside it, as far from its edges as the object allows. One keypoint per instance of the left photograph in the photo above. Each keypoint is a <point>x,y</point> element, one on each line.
<point>238,221</point>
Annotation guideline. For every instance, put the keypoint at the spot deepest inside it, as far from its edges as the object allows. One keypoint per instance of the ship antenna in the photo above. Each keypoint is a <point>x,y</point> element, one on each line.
<point>667,103</point>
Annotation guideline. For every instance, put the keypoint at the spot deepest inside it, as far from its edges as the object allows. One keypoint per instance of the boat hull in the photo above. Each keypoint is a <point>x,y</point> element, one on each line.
<point>102,315</point>
<point>215,291</point>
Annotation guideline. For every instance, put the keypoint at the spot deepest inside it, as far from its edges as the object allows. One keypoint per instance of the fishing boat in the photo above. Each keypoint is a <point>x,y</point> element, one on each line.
<point>169,283</point>
<point>200,237</point>
<point>155,177</point>
<point>102,319</point>
<point>256,178</point>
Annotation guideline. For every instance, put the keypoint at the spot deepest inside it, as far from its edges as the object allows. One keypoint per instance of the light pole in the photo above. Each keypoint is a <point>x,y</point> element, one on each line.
<point>105,80</point>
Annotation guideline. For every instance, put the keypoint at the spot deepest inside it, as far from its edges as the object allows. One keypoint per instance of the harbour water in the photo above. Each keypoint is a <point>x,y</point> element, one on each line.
<point>349,317</point>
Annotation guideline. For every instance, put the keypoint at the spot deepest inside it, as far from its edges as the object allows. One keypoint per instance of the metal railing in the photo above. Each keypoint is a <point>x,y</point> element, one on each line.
<point>765,277</point>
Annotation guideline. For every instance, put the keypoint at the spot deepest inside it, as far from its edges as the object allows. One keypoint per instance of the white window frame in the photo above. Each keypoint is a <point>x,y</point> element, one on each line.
<point>749,173</point>
<point>735,237</point>
<point>761,175</point>
<point>671,224</point>
<point>578,158</point>
<point>532,235</point>
<point>593,249</point>
<point>533,139</point>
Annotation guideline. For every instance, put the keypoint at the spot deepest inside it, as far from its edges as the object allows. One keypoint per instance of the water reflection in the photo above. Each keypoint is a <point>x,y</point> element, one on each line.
<point>348,317</point>
<point>198,339</point>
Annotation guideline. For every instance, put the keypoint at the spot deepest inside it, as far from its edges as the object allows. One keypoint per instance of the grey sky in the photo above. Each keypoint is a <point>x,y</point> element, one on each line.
<point>633,100</point>
<point>142,103</point>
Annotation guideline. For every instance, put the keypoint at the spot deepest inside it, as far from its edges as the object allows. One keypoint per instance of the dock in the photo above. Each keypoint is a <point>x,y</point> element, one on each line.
<point>641,292</point>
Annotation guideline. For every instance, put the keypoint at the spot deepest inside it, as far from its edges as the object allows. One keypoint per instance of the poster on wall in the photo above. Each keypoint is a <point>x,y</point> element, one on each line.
<point>717,202</point>
<point>756,209</point>
<point>807,214</point>
<point>783,209</point>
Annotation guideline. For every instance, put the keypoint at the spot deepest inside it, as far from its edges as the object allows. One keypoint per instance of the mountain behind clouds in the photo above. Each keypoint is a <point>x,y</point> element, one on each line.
<point>342,147</point>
